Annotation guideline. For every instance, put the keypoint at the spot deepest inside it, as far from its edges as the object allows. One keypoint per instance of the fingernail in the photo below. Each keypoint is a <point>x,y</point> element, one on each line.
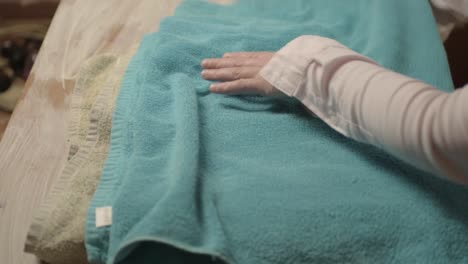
<point>213,87</point>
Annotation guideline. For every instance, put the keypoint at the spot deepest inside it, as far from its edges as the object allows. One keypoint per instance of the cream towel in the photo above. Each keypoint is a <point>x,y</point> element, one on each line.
<point>56,234</point>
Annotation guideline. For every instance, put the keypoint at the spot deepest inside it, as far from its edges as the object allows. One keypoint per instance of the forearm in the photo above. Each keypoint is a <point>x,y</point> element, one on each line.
<point>412,120</point>
<point>368,103</point>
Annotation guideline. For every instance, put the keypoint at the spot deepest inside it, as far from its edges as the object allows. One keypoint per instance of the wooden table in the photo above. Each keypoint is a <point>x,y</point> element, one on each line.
<point>34,147</point>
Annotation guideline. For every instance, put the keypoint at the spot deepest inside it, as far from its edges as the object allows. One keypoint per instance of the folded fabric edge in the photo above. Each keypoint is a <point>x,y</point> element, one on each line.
<point>40,219</point>
<point>126,249</point>
<point>114,153</point>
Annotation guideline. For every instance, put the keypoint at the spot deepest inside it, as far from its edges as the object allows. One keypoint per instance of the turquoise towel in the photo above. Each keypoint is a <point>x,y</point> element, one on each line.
<point>194,177</point>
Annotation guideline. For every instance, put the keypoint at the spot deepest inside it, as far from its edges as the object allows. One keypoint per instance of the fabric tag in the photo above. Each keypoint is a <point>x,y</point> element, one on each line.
<point>103,216</point>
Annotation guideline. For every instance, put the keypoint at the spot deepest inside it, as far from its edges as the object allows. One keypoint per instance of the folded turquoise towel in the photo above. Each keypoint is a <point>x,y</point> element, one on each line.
<point>194,177</point>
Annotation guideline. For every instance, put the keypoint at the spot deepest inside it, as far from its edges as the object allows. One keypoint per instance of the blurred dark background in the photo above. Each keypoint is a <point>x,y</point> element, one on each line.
<point>457,53</point>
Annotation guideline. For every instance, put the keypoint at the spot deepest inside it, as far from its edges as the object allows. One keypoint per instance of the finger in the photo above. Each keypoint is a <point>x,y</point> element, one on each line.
<point>246,54</point>
<point>218,63</point>
<point>230,74</point>
<point>241,86</point>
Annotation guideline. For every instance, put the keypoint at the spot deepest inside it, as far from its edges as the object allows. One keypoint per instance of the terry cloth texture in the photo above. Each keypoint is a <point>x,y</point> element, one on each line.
<point>195,177</point>
<point>56,234</point>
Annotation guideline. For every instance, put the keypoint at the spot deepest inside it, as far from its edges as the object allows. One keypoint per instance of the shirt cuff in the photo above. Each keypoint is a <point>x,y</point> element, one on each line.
<point>287,70</point>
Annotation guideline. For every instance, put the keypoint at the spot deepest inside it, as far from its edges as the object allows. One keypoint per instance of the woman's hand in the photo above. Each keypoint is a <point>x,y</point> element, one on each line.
<point>238,73</point>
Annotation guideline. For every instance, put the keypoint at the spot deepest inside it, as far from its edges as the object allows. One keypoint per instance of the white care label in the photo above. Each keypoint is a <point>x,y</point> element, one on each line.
<point>103,216</point>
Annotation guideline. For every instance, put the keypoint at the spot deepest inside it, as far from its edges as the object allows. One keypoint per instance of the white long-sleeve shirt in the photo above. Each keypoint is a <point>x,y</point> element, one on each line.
<point>364,101</point>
